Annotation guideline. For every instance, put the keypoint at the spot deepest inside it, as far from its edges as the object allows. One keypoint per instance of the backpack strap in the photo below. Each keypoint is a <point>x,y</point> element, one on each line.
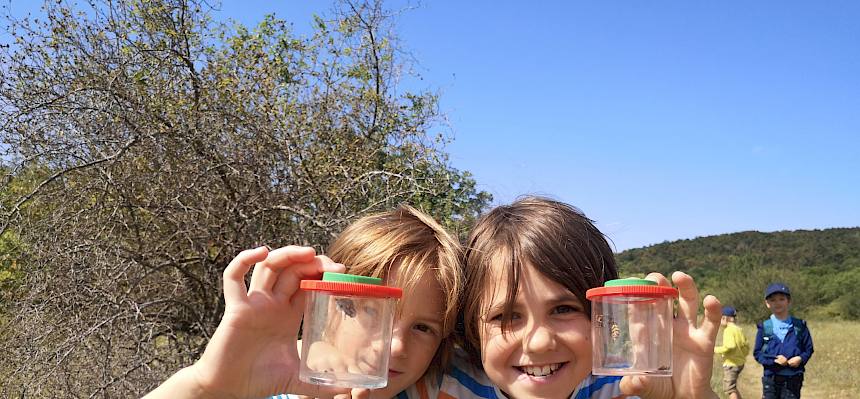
<point>767,328</point>
<point>799,328</point>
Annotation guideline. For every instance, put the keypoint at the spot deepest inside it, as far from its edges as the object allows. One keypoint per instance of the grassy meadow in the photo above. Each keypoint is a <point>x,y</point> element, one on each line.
<point>831,373</point>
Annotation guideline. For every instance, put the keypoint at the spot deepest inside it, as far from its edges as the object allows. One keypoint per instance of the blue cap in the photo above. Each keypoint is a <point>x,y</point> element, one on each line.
<point>729,311</point>
<point>775,288</point>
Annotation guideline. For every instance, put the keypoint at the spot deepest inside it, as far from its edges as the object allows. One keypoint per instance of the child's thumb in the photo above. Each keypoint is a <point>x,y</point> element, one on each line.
<point>645,387</point>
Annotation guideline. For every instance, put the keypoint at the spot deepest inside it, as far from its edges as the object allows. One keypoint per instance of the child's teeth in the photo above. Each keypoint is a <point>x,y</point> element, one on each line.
<point>541,371</point>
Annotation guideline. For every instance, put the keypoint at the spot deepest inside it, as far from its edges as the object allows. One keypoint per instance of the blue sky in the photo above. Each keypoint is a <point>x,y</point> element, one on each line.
<point>661,120</point>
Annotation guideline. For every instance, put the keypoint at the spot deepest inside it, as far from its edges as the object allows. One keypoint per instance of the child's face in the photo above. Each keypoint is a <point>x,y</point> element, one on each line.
<point>416,337</point>
<point>547,351</point>
<point>778,303</point>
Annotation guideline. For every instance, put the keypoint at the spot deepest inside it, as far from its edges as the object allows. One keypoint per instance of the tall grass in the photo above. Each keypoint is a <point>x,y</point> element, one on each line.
<point>830,373</point>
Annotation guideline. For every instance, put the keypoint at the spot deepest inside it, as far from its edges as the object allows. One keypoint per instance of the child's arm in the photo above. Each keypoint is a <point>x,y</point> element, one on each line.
<point>806,346</point>
<point>252,353</point>
<point>692,348</point>
<point>728,344</point>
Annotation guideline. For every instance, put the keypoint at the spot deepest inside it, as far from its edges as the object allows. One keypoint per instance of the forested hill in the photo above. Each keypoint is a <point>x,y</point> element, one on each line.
<point>821,266</point>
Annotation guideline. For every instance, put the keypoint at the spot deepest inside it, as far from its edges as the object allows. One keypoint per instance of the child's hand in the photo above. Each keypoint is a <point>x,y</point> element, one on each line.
<point>692,347</point>
<point>794,362</point>
<point>356,393</point>
<point>253,353</point>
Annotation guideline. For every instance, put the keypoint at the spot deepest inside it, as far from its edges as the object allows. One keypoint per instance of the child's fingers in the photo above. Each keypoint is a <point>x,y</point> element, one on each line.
<point>266,272</point>
<point>234,275</point>
<point>657,277</point>
<point>688,298</point>
<point>713,314</point>
<point>326,260</point>
<point>646,387</point>
<point>317,391</point>
<point>285,256</point>
<point>257,277</point>
<point>288,279</point>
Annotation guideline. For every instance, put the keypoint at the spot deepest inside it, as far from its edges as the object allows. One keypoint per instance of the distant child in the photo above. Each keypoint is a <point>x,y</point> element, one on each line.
<point>527,323</point>
<point>253,353</point>
<point>734,351</point>
<point>783,345</point>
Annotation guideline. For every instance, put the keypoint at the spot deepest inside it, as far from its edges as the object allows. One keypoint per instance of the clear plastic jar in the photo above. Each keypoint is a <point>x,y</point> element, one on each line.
<point>346,334</point>
<point>631,327</point>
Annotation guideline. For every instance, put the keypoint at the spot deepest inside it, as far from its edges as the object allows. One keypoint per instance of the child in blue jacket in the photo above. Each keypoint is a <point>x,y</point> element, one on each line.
<point>783,345</point>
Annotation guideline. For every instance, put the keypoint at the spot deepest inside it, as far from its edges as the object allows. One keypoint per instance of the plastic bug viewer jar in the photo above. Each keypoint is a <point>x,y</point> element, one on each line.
<point>346,336</point>
<point>631,327</point>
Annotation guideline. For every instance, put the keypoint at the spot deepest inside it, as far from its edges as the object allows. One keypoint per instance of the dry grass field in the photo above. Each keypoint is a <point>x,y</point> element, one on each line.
<point>830,374</point>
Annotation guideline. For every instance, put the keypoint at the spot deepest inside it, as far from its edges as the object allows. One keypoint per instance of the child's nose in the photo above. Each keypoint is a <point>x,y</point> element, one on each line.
<point>539,339</point>
<point>398,343</point>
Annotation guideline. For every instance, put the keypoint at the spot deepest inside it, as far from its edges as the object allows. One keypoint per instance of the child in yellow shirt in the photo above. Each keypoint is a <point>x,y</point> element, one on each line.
<point>734,351</point>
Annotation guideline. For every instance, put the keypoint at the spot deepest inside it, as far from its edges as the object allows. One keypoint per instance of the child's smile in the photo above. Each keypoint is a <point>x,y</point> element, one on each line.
<point>541,371</point>
<point>547,343</point>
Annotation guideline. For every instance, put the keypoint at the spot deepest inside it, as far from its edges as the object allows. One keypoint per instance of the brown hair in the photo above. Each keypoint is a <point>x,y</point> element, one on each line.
<point>553,237</point>
<point>415,243</point>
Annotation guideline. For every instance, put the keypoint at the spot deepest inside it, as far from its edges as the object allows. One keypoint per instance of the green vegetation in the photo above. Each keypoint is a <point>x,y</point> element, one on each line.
<point>143,144</point>
<point>822,267</point>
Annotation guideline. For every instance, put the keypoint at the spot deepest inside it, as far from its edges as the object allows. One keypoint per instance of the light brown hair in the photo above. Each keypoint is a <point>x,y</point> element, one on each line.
<point>415,243</point>
<point>553,237</point>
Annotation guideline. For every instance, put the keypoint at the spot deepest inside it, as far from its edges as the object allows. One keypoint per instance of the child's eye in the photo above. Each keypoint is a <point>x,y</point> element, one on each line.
<point>501,317</point>
<point>424,329</point>
<point>562,309</point>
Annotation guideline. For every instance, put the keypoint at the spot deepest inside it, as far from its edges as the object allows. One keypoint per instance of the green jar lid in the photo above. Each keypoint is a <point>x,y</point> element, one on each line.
<point>628,281</point>
<point>350,278</point>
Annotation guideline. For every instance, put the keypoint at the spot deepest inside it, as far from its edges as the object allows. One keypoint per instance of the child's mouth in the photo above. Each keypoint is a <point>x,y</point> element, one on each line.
<point>541,371</point>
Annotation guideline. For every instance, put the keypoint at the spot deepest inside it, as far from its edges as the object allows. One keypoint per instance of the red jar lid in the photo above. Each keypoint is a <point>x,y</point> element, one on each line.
<point>352,285</point>
<point>632,287</point>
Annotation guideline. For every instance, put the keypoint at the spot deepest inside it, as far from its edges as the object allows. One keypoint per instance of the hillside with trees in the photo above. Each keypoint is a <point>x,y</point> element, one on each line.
<point>822,267</point>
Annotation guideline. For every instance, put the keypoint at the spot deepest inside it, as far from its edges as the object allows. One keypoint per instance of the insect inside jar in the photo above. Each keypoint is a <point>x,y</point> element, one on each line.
<point>347,306</point>
<point>614,330</point>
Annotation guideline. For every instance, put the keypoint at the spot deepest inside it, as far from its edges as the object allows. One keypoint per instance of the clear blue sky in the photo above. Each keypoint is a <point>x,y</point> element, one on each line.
<point>661,120</point>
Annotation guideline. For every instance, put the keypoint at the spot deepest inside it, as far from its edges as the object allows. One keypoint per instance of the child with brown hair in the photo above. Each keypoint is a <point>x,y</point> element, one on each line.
<point>527,323</point>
